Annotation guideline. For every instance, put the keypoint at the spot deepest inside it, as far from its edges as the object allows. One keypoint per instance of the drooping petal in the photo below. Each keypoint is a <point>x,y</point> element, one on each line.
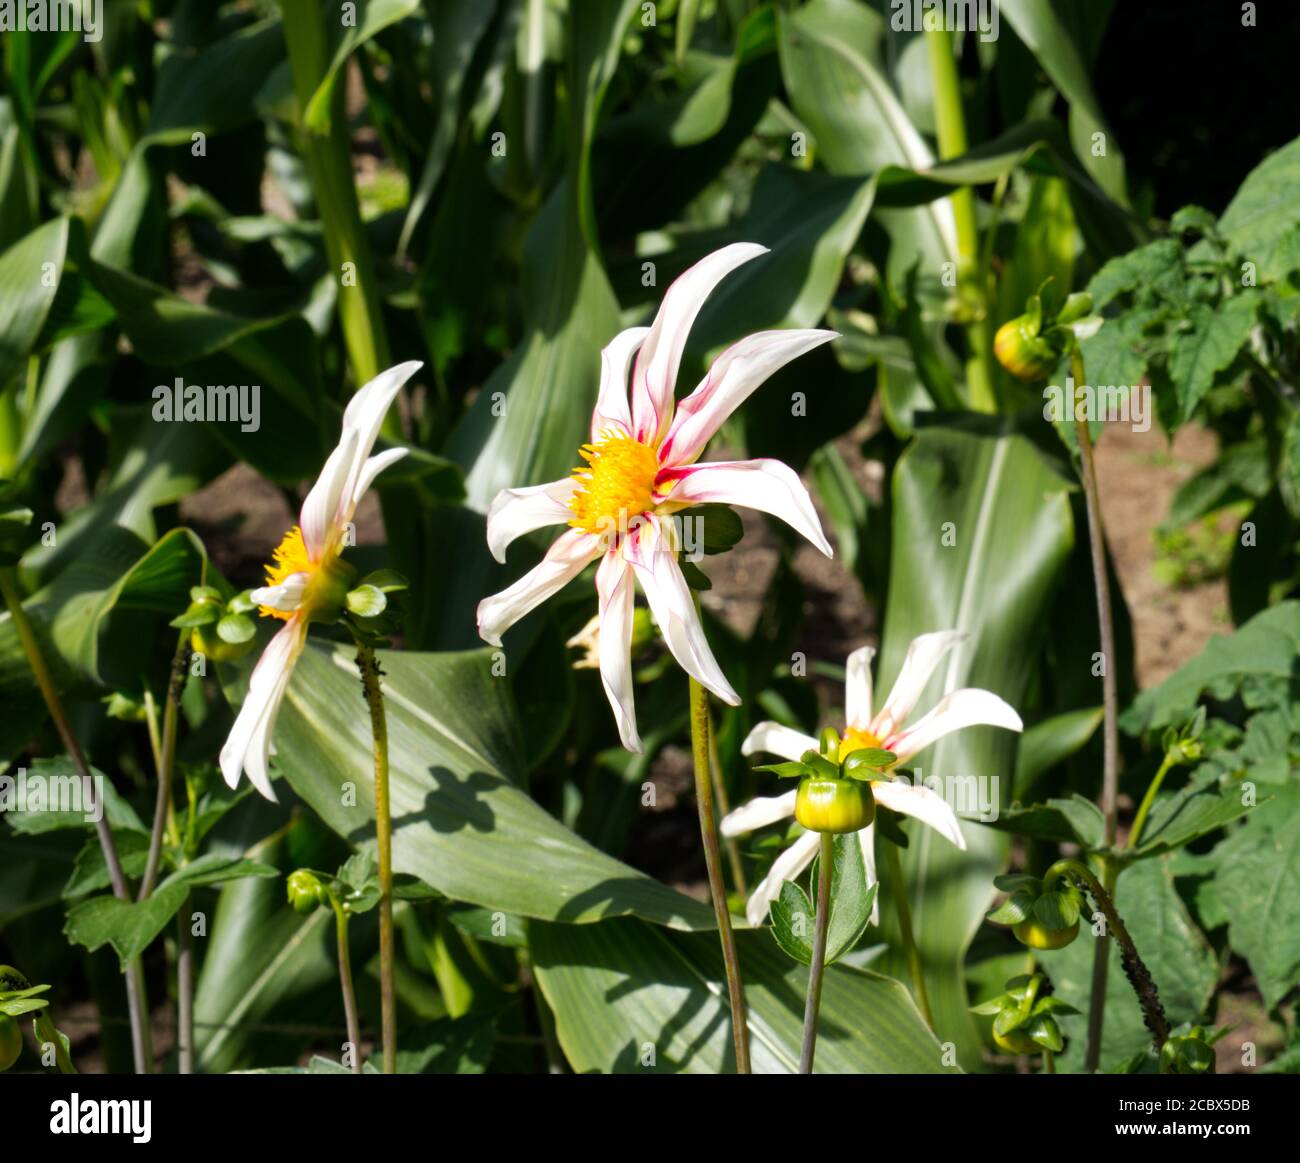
<point>758,813</point>
<point>514,512</point>
<point>857,687</point>
<point>616,594</point>
<point>969,707</point>
<point>655,373</point>
<point>867,844</point>
<point>370,469</point>
<point>286,597</point>
<point>673,608</point>
<point>613,407</point>
<point>248,745</point>
<point>923,655</point>
<point>783,741</point>
<point>316,518</point>
<point>787,866</point>
<point>734,376</point>
<point>569,554</point>
<point>766,485</point>
<point>922,804</point>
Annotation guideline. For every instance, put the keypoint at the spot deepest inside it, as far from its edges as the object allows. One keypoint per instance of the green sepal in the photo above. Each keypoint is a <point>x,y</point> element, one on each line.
<point>1019,906</point>
<point>236,629</point>
<point>367,601</point>
<point>791,769</point>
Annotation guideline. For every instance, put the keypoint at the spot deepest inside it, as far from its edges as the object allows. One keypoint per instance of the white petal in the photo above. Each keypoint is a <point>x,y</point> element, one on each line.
<point>857,687</point>
<point>787,866</point>
<point>369,404</point>
<point>867,844</point>
<point>758,813</point>
<point>673,608</point>
<point>616,594</point>
<point>514,512</point>
<point>766,485</point>
<point>734,376</point>
<point>286,597</point>
<point>922,804</point>
<point>249,743</point>
<point>613,409</point>
<point>969,707</point>
<point>319,515</point>
<point>783,741</point>
<point>569,554</point>
<point>923,655</point>
<point>655,374</point>
<point>370,469</point>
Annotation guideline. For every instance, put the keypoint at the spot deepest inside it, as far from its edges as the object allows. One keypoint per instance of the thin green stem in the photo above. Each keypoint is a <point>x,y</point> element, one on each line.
<point>136,1001</point>
<point>368,665</point>
<point>166,763</point>
<point>184,990</point>
<point>713,863</point>
<point>1144,808</point>
<point>1109,697</point>
<point>950,127</point>
<point>1135,968</point>
<point>904,911</point>
<point>1049,1062</point>
<point>817,969</point>
<point>345,981</point>
<point>724,808</point>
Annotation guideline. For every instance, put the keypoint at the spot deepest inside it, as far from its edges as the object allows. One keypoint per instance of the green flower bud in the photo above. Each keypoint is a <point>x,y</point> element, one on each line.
<point>1017,1041</point>
<point>1023,351</point>
<point>1036,935</point>
<point>834,805</point>
<point>11,1042</point>
<point>206,641</point>
<point>1187,1054</point>
<point>305,892</point>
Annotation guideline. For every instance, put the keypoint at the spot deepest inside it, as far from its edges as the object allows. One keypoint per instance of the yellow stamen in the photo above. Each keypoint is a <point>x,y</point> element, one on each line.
<point>290,558</point>
<point>857,740</point>
<point>617,483</point>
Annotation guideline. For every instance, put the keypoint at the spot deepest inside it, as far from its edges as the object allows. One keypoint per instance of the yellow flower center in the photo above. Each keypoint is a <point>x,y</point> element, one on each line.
<point>856,740</point>
<point>617,483</point>
<point>290,557</point>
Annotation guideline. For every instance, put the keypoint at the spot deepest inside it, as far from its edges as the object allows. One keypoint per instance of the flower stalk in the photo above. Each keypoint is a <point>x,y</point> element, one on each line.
<point>713,863</point>
<point>817,968</point>
<point>184,991</point>
<point>345,982</point>
<point>166,761</point>
<point>1109,695</point>
<point>1135,968</point>
<point>371,673</point>
<point>136,1001</point>
<point>904,910</point>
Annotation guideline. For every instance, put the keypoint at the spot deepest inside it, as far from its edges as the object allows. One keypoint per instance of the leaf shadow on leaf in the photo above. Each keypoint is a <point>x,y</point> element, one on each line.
<point>453,805</point>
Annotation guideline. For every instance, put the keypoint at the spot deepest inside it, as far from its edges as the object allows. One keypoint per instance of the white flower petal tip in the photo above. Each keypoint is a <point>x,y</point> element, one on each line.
<point>514,512</point>
<point>922,804</point>
<point>758,813</point>
<point>777,740</point>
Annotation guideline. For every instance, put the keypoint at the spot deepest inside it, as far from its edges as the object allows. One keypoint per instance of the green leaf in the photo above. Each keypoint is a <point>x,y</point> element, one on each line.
<point>794,915</point>
<point>1046,745</point>
<point>1010,514</point>
<point>30,271</point>
<point>1259,874</point>
<point>62,802</point>
<point>1074,819</point>
<point>663,995</point>
<point>448,1046</point>
<point>461,823</point>
<point>1211,343</point>
<point>1210,801</point>
<point>130,927</point>
<point>1263,212</point>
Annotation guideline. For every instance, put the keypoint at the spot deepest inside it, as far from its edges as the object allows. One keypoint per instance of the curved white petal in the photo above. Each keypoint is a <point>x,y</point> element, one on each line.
<point>922,804</point>
<point>969,707</point>
<point>923,655</point>
<point>286,597</point>
<point>673,609</point>
<point>787,866</point>
<point>655,373</point>
<point>514,512</point>
<point>248,745</point>
<point>613,408</point>
<point>569,554</point>
<point>616,594</point>
<point>758,813</point>
<point>857,687</point>
<point>867,844</point>
<point>370,469</point>
<point>320,509</point>
<point>369,404</point>
<point>783,741</point>
<point>766,485</point>
<point>734,376</point>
